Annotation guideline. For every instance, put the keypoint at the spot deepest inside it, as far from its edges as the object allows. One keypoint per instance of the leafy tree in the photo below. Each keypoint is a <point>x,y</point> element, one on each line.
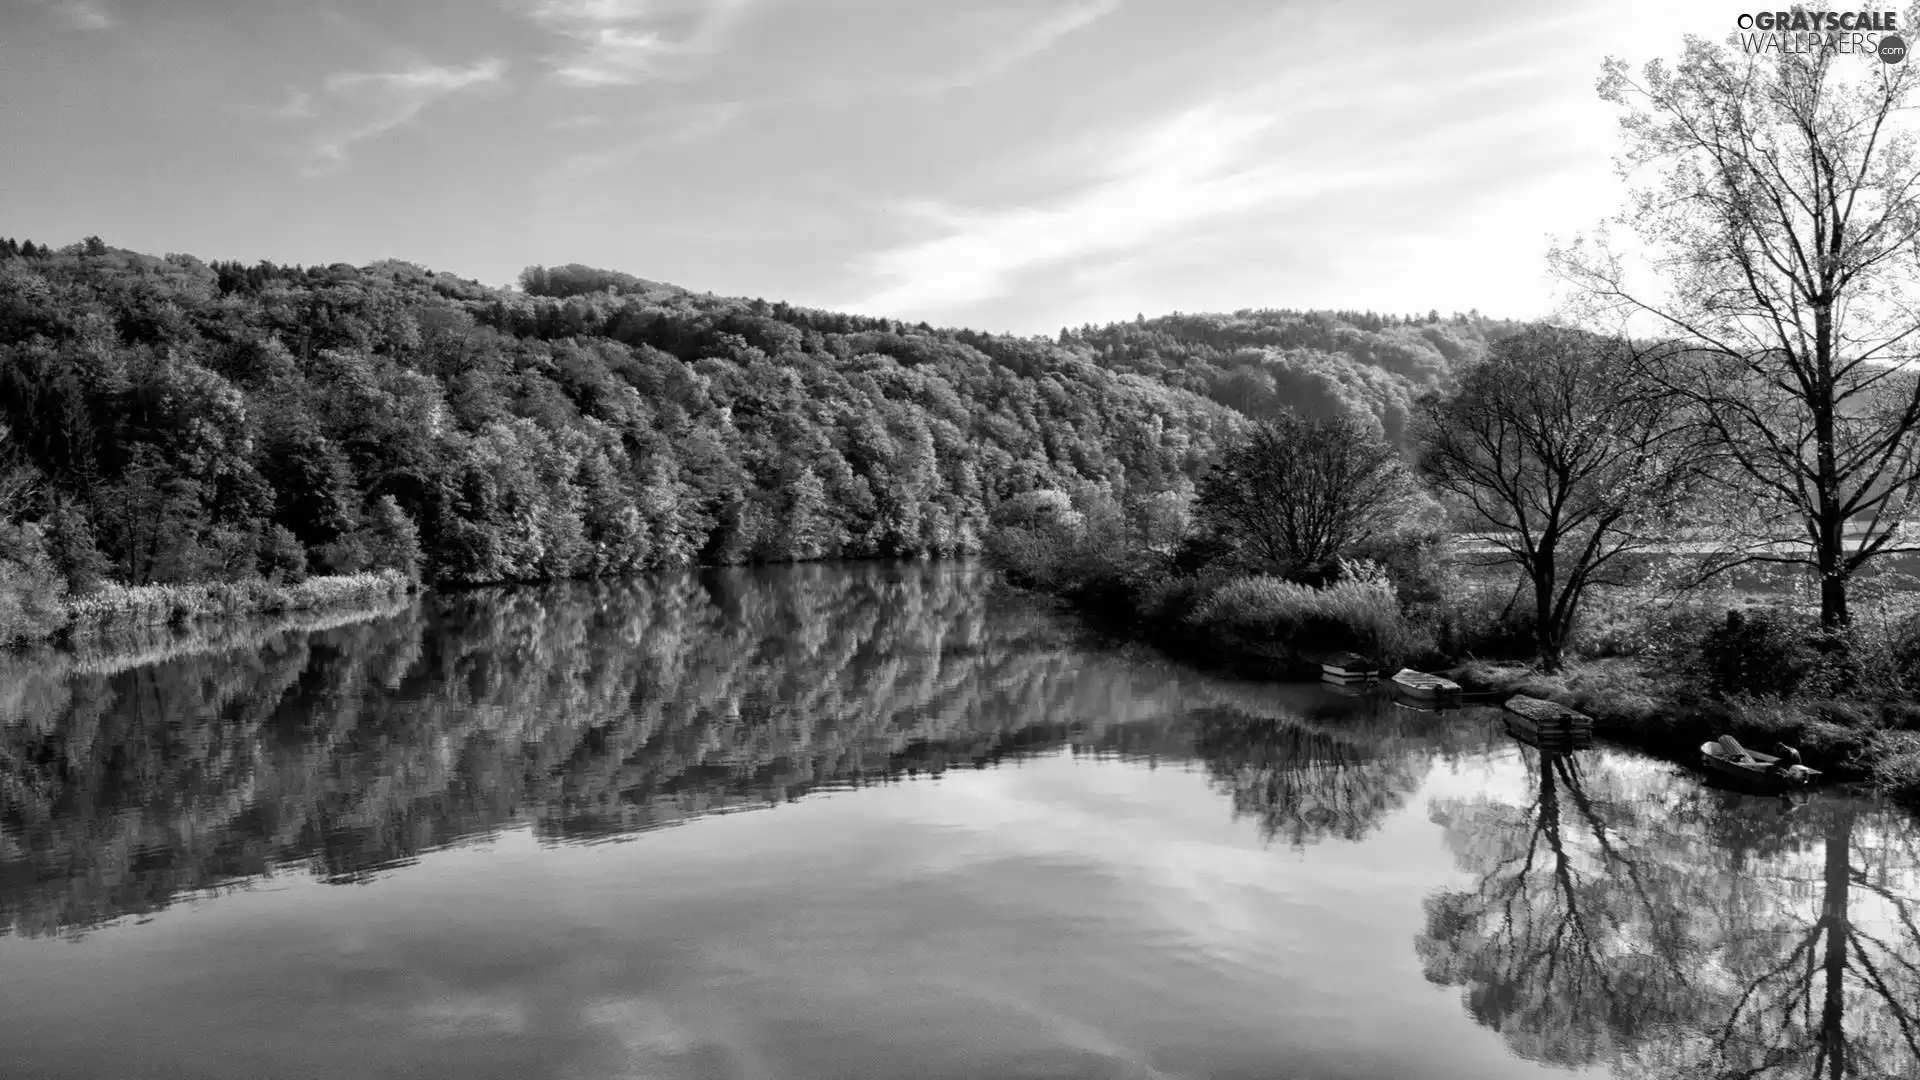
<point>280,556</point>
<point>392,541</point>
<point>1781,209</point>
<point>1563,459</point>
<point>1296,493</point>
<point>70,545</point>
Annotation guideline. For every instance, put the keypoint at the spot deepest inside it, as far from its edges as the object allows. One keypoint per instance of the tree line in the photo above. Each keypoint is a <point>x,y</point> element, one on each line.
<point>171,420</point>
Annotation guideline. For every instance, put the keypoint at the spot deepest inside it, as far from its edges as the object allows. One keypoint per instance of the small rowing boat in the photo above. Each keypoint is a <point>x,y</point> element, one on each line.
<point>1423,687</point>
<point>1726,756</point>
<point>1346,667</point>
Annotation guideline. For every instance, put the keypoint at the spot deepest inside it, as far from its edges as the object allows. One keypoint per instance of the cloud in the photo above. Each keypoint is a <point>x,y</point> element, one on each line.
<point>570,182</point>
<point>356,106</point>
<point>1034,40</point>
<point>624,42</point>
<point>81,14</point>
<point>1172,178</point>
<point>577,123</point>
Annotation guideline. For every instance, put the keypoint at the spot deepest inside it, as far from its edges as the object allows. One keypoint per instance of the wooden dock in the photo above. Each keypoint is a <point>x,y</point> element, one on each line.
<point>1548,720</point>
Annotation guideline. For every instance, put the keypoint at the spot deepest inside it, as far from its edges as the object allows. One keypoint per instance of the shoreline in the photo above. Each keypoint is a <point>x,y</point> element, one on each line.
<point>1632,708</point>
<point>133,611</point>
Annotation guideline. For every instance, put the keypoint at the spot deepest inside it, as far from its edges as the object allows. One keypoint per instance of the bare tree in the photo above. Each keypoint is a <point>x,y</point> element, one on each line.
<point>1781,208</point>
<point>1562,460</point>
<point>1296,493</point>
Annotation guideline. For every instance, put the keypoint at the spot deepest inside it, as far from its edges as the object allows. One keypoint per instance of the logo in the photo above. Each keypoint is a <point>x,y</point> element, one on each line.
<point>1802,31</point>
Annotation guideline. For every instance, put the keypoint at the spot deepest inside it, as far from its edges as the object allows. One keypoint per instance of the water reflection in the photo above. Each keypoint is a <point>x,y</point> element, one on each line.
<point>594,711</point>
<point>1307,780</point>
<point>1243,909</point>
<point>1666,929</point>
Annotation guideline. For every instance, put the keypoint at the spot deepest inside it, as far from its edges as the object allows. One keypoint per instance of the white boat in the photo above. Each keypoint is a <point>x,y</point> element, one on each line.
<point>1725,755</point>
<point>1422,686</point>
<point>1346,667</point>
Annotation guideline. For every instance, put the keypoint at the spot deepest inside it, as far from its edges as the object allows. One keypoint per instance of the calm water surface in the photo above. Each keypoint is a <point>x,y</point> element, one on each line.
<point>884,821</point>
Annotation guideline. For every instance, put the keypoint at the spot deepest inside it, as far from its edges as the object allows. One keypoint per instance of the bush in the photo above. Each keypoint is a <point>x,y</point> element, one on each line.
<point>1902,651</point>
<point>1489,623</point>
<point>1417,564</point>
<point>1758,653</point>
<point>1360,611</point>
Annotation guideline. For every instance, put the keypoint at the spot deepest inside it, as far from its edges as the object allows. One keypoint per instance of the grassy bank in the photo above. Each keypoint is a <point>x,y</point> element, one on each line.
<point>1657,674</point>
<point>115,610</point>
<point>1660,701</point>
<point>1667,713</point>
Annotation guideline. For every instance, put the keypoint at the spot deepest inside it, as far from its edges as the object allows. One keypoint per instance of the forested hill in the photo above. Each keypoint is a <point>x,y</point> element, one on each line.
<point>1318,363</point>
<point>182,420</point>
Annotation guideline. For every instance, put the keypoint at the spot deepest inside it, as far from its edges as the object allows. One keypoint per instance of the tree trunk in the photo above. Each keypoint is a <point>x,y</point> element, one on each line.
<point>1546,630</point>
<point>1833,600</point>
<point>1830,523</point>
<point>1833,1034</point>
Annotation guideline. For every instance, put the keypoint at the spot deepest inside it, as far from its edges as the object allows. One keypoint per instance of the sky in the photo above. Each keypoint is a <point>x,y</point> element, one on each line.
<point>1011,166</point>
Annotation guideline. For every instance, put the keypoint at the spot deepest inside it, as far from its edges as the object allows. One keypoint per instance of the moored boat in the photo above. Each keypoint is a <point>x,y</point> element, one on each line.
<point>1423,687</point>
<point>1727,757</point>
<point>1346,667</point>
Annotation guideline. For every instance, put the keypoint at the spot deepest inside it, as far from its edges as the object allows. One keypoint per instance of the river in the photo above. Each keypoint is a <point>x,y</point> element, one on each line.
<point>885,821</point>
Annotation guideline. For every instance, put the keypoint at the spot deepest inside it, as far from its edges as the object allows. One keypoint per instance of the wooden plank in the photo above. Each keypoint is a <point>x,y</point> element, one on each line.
<point>1547,714</point>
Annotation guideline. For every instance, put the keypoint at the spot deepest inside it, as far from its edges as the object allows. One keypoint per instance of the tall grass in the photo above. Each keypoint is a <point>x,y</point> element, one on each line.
<point>1359,611</point>
<point>121,607</point>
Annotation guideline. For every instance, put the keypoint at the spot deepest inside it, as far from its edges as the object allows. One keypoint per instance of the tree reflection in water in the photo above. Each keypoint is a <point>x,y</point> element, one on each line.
<point>1668,930</point>
<point>1303,780</point>
<point>592,711</point>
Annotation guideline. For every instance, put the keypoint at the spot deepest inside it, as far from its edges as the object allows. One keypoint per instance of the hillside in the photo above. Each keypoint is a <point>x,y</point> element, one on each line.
<point>172,419</point>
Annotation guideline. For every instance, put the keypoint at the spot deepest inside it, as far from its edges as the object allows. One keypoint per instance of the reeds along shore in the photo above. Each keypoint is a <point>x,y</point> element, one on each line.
<point>114,610</point>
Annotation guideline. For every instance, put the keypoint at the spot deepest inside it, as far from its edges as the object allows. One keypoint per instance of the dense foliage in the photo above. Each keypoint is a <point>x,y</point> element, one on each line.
<point>1317,364</point>
<point>192,421</point>
<point>186,421</point>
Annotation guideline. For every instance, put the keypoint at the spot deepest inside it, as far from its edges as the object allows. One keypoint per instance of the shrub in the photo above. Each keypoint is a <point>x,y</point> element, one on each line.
<point>1489,623</point>
<point>1360,611</point>
<point>1417,564</point>
<point>1758,653</point>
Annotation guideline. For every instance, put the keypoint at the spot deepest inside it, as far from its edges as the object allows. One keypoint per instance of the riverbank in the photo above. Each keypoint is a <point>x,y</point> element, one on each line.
<point>1635,701</point>
<point>120,609</point>
<point>1665,715</point>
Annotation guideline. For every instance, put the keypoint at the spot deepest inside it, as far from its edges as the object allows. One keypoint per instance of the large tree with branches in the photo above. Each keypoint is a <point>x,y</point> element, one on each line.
<point>1297,493</point>
<point>1779,206</point>
<point>1562,460</point>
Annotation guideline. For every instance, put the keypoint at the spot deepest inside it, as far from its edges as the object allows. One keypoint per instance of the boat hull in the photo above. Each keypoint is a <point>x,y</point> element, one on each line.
<point>1424,688</point>
<point>1757,771</point>
<point>1349,667</point>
